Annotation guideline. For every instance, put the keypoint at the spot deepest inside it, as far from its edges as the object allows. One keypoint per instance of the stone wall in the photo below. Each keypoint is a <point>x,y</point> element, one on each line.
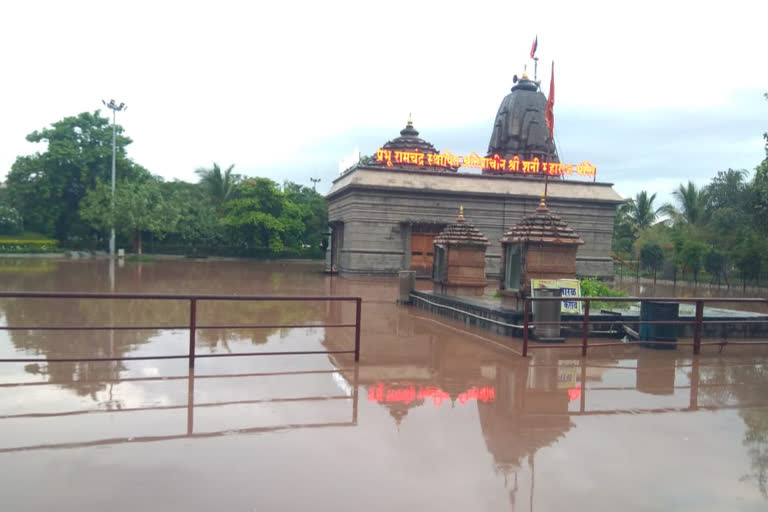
<point>377,222</point>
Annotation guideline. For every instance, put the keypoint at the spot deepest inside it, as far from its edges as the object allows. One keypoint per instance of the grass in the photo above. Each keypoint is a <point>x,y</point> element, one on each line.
<point>140,258</point>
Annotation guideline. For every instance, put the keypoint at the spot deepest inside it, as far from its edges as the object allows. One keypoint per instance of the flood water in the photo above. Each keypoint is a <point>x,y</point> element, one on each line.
<point>647,288</point>
<point>436,416</point>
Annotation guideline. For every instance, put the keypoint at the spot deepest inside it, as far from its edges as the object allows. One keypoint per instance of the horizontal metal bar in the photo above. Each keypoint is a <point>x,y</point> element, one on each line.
<point>95,328</point>
<point>200,435</point>
<point>168,296</point>
<point>294,326</point>
<point>303,352</point>
<point>167,327</point>
<point>649,299</point>
<point>183,377</point>
<point>90,359</point>
<point>173,407</point>
<point>185,356</point>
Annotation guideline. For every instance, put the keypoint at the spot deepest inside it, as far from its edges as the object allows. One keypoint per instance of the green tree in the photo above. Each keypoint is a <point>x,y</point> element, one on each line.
<point>641,211</point>
<point>10,220</point>
<point>260,216</point>
<point>691,204</point>
<point>749,255</point>
<point>714,264</point>
<point>139,208</point>
<point>692,257</point>
<point>623,231</point>
<point>219,186</point>
<point>197,225</point>
<point>314,212</point>
<point>651,257</point>
<point>47,187</point>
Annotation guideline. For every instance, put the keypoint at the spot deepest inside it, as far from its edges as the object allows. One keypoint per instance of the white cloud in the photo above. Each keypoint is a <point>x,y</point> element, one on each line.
<point>256,84</point>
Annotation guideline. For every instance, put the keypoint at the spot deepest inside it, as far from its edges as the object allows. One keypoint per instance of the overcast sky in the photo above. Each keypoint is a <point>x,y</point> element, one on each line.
<point>652,93</point>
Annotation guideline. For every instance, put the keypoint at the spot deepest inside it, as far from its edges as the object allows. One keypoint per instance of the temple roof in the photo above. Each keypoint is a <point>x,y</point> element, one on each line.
<point>409,140</point>
<point>461,233</point>
<point>520,127</point>
<point>542,226</point>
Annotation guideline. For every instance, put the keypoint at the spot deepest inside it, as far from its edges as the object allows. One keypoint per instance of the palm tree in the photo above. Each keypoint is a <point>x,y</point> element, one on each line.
<point>727,189</point>
<point>641,212</point>
<point>219,186</point>
<point>692,202</point>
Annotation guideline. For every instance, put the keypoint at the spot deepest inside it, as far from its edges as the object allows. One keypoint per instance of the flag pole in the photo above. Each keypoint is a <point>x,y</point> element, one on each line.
<point>535,68</point>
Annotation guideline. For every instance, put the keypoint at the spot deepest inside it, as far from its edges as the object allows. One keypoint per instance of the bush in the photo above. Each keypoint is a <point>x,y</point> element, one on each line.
<point>594,288</point>
<point>10,221</point>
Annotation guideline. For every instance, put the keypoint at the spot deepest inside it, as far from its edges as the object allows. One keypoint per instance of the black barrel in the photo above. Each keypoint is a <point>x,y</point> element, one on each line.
<point>659,312</point>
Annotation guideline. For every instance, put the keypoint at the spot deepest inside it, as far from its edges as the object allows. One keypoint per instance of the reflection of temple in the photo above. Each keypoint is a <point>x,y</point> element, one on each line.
<point>408,362</point>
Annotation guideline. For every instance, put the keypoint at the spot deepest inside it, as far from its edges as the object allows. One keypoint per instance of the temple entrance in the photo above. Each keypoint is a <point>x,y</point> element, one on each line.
<point>422,247</point>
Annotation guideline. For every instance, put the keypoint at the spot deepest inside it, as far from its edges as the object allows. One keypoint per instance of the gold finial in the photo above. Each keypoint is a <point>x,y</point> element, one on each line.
<point>460,218</point>
<point>542,205</point>
<point>410,120</point>
<point>525,76</point>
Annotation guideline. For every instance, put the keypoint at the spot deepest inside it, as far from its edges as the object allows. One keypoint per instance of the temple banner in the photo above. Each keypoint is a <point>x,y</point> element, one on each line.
<point>568,288</point>
<point>494,163</point>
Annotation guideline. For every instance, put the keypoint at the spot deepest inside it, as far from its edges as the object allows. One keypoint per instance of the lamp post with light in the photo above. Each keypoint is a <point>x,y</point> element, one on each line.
<point>115,109</point>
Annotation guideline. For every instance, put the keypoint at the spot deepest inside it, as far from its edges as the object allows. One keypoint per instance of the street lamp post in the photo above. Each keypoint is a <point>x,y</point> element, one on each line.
<point>115,109</point>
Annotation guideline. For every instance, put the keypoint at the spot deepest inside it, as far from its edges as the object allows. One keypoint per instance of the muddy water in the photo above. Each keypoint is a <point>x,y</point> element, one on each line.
<point>647,288</point>
<point>435,416</point>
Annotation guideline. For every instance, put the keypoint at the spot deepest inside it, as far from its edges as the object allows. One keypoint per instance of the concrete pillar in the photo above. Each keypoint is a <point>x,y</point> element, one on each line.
<point>407,285</point>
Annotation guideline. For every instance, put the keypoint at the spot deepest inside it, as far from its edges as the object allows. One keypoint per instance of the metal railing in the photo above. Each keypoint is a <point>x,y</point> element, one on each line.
<point>192,326</point>
<point>698,321</point>
<point>190,406</point>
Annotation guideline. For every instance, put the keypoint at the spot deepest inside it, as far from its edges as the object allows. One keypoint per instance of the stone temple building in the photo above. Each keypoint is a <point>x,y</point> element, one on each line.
<point>384,215</point>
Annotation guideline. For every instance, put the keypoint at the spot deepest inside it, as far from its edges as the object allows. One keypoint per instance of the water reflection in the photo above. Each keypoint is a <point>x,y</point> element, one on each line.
<point>429,396</point>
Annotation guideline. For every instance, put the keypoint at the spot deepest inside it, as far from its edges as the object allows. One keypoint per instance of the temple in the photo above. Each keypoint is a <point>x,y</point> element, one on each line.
<point>385,214</point>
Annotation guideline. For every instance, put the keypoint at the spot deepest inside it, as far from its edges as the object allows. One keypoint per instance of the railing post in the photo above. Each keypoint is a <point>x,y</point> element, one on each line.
<point>526,313</point>
<point>192,329</point>
<point>358,302</point>
<point>697,327</point>
<point>585,329</point>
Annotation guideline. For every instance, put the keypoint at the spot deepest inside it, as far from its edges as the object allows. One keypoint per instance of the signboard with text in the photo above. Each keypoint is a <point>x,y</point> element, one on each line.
<point>568,288</point>
<point>495,163</point>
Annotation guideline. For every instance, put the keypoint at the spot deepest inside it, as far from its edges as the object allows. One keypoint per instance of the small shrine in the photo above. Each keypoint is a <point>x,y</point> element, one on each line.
<point>541,246</point>
<point>459,259</point>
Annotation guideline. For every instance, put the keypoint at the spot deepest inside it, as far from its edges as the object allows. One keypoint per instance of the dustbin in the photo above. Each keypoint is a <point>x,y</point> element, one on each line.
<point>659,312</point>
<point>547,311</point>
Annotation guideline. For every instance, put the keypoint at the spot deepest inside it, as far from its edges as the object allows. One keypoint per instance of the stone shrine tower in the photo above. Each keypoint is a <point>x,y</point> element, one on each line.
<point>541,246</point>
<point>459,261</point>
<point>520,128</point>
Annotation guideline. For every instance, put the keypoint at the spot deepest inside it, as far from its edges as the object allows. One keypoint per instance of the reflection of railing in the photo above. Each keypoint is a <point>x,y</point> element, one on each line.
<point>192,326</point>
<point>190,407</point>
<point>698,322</point>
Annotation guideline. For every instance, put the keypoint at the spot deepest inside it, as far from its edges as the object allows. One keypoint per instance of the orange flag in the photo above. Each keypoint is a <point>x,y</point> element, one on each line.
<point>549,115</point>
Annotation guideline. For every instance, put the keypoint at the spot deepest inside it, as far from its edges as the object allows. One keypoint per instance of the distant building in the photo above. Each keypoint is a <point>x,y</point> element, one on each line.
<point>385,215</point>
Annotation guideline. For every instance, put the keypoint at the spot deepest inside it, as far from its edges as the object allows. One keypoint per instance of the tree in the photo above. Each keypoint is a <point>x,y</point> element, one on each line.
<point>261,217</point>
<point>314,212</point>
<point>197,223</point>
<point>641,211</point>
<point>47,187</point>
<point>749,256</point>
<point>10,220</point>
<point>727,190</point>
<point>692,257</point>
<point>652,256</point>
<point>623,231</point>
<point>692,204</point>
<point>139,207</point>
<point>714,264</point>
<point>218,185</point>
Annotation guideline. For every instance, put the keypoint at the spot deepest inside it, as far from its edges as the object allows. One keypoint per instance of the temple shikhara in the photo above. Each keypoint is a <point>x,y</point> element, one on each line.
<point>385,214</point>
